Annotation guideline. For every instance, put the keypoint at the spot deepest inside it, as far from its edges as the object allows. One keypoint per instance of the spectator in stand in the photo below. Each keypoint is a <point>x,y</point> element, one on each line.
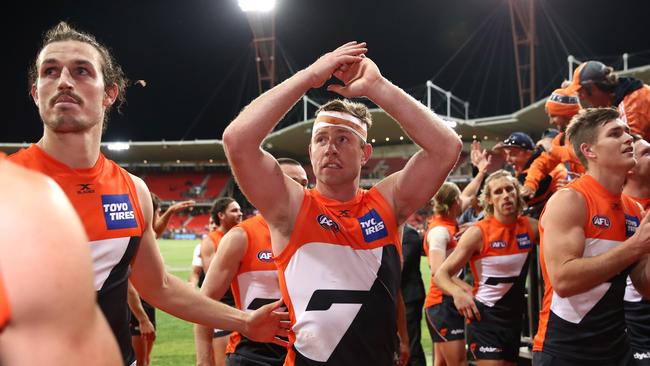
<point>520,152</point>
<point>561,106</point>
<point>484,163</point>
<point>600,87</point>
<point>546,141</point>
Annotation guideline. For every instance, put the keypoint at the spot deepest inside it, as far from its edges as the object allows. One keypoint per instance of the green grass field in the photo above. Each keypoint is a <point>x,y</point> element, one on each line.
<point>175,341</point>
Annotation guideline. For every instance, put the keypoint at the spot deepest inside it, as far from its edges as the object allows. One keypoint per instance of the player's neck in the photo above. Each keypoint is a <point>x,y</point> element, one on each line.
<point>76,150</point>
<point>341,192</point>
<point>612,181</point>
<point>505,219</point>
<point>637,189</point>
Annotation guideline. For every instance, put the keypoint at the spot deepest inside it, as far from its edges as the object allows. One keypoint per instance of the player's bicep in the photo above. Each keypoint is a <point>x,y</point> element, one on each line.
<point>468,245</point>
<point>225,263</point>
<point>564,236</point>
<point>262,181</point>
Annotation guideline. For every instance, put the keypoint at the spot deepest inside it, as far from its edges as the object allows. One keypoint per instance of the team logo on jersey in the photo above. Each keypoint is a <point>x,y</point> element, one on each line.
<point>523,241</point>
<point>85,188</point>
<point>265,255</point>
<point>631,223</point>
<point>118,211</point>
<point>327,223</point>
<point>600,221</point>
<point>372,226</point>
<point>498,244</point>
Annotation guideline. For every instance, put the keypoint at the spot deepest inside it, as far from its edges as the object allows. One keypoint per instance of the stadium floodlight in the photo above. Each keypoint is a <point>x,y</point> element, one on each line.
<point>257,5</point>
<point>118,146</point>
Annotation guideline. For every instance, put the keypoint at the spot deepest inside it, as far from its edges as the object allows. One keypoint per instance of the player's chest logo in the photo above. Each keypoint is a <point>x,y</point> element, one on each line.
<point>265,255</point>
<point>601,221</point>
<point>118,211</point>
<point>631,223</point>
<point>523,241</point>
<point>328,224</point>
<point>372,226</point>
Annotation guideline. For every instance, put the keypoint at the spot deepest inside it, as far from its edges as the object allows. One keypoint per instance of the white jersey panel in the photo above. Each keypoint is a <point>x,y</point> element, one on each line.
<point>257,285</point>
<point>106,255</point>
<point>574,308</point>
<point>324,266</point>
<point>500,266</point>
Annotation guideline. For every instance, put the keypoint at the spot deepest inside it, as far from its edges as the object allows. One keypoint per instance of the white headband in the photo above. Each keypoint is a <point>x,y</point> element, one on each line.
<point>340,119</point>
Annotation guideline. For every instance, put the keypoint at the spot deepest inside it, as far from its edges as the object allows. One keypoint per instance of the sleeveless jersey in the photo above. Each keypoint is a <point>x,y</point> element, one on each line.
<point>435,295</point>
<point>256,284</point>
<point>590,326</point>
<point>501,267</point>
<point>107,203</point>
<point>216,236</point>
<point>340,276</point>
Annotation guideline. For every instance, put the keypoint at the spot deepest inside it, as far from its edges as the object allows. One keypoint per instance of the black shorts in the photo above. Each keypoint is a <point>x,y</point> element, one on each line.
<point>233,359</point>
<point>134,325</point>
<point>445,322</point>
<point>218,333</point>
<point>637,319</point>
<point>492,338</point>
<point>545,359</point>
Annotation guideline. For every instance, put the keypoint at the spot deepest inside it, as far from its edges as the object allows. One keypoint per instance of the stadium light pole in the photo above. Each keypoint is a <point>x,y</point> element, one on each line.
<point>261,19</point>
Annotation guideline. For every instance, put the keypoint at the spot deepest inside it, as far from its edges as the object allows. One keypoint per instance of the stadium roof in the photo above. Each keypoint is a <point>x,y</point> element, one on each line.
<point>292,141</point>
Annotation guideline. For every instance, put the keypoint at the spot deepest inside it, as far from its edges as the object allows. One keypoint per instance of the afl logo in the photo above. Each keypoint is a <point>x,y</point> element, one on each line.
<point>265,255</point>
<point>498,244</point>
<point>600,221</point>
<point>327,223</point>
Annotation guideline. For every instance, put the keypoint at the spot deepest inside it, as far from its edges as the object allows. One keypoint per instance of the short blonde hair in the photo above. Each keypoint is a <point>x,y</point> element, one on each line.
<point>486,194</point>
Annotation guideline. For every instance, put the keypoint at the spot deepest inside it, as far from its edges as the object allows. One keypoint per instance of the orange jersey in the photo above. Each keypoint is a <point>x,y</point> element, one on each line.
<point>561,153</point>
<point>434,296</point>
<point>500,268</point>
<point>216,236</point>
<point>635,111</point>
<point>5,310</point>
<point>107,203</point>
<point>590,326</point>
<point>340,277</point>
<point>256,284</point>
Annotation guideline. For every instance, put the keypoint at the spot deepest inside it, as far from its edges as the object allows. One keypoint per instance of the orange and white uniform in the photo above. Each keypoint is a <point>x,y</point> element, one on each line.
<point>590,327</point>
<point>443,319</point>
<point>340,277</point>
<point>500,271</point>
<point>637,311</point>
<point>256,284</point>
<point>107,203</point>
<point>435,295</point>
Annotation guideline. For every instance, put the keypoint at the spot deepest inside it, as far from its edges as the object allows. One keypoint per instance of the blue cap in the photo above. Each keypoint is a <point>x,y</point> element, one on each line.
<point>550,132</point>
<point>519,139</point>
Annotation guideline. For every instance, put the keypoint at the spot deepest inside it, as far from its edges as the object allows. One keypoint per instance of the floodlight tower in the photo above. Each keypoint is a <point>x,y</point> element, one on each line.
<point>522,19</point>
<point>262,21</point>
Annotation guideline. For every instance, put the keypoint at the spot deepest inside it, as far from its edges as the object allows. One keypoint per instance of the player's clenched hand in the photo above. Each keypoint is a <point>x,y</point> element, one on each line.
<point>323,69</point>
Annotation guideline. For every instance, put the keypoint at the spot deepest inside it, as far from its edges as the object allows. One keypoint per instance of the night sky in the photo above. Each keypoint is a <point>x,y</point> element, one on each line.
<point>197,59</point>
